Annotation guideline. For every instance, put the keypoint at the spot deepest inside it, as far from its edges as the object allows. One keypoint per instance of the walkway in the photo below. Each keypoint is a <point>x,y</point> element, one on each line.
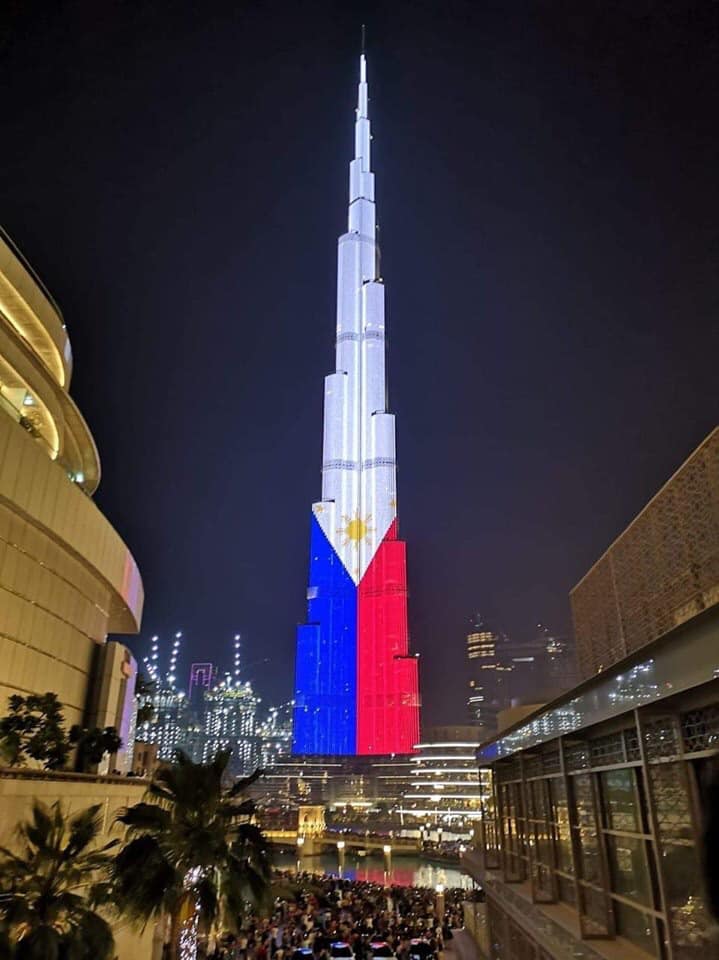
<point>461,947</point>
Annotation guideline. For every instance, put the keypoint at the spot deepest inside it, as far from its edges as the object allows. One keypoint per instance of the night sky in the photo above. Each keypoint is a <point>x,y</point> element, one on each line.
<point>548,203</point>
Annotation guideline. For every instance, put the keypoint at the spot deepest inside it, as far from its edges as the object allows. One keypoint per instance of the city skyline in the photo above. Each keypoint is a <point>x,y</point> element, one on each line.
<point>552,289</point>
<point>182,660</point>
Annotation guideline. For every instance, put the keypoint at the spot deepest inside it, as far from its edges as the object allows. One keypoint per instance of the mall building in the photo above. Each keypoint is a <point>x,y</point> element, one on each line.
<point>590,843</point>
<point>67,580</point>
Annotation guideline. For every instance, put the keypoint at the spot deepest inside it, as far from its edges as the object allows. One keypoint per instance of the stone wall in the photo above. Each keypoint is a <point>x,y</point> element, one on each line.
<point>18,789</point>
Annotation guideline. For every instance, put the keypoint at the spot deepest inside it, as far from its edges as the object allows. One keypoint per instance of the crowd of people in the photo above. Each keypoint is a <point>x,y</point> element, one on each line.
<point>314,914</point>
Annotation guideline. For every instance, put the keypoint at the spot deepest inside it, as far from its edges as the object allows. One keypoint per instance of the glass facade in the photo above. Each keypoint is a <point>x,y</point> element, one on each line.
<point>607,823</point>
<point>686,661</point>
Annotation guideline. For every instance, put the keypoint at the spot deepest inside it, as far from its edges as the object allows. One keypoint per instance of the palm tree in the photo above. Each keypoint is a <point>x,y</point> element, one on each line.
<point>46,890</point>
<point>193,853</point>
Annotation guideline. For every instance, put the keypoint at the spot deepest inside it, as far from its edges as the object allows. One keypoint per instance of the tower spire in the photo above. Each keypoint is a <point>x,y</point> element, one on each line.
<point>356,685</point>
<point>362,128</point>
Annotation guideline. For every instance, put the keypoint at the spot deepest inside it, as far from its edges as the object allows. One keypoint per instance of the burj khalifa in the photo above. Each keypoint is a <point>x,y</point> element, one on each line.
<point>356,686</point>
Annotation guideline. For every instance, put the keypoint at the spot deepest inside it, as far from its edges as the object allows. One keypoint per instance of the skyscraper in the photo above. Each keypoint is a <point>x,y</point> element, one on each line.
<point>356,684</point>
<point>489,671</point>
<point>229,724</point>
<point>560,661</point>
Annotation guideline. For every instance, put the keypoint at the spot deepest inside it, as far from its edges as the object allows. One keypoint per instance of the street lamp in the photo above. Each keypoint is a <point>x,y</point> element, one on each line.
<point>387,850</point>
<point>340,844</point>
<point>439,902</point>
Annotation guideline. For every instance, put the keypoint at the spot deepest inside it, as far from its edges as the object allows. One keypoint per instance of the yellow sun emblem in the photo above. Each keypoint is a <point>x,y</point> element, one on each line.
<point>356,529</point>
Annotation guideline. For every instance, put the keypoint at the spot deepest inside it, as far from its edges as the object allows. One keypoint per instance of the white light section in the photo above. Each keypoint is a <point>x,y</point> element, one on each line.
<point>466,814</point>
<point>446,783</point>
<point>453,743</point>
<point>451,756</point>
<point>448,796</point>
<point>442,770</point>
<point>359,488</point>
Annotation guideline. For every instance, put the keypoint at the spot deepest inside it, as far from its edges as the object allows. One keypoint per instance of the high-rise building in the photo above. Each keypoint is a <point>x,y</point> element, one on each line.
<point>489,670</point>
<point>229,724</point>
<point>560,664</point>
<point>169,723</point>
<point>502,671</point>
<point>444,789</point>
<point>356,684</point>
<point>67,580</point>
<point>274,735</point>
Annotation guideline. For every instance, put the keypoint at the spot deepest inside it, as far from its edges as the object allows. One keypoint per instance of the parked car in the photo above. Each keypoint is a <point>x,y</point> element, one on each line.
<point>381,949</point>
<point>302,953</point>
<point>420,950</point>
<point>340,949</point>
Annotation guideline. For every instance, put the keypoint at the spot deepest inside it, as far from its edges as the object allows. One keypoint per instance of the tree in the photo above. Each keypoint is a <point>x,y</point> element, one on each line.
<point>144,687</point>
<point>192,851</point>
<point>145,714</point>
<point>93,744</point>
<point>144,692</point>
<point>46,904</point>
<point>33,729</point>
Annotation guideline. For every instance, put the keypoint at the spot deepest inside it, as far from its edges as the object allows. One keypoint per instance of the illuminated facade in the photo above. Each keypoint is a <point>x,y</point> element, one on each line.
<point>445,790</point>
<point>168,728</point>
<point>356,686</point>
<point>561,662</point>
<point>488,670</point>
<point>229,724</point>
<point>67,580</point>
<point>274,735</point>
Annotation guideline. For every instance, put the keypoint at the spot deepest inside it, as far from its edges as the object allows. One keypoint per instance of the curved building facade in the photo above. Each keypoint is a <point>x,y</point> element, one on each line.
<point>66,577</point>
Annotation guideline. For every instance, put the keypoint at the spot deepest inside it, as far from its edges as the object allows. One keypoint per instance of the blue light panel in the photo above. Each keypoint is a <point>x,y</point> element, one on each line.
<point>325,717</point>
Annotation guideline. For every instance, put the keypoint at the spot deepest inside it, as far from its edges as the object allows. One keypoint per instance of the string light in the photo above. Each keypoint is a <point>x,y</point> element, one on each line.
<point>237,659</point>
<point>172,672</point>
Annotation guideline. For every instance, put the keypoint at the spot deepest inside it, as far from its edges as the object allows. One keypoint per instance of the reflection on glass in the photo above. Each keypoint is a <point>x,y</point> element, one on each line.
<point>673,668</point>
<point>671,801</point>
<point>567,891</point>
<point>635,926</point>
<point>560,817</point>
<point>596,909</point>
<point>564,849</point>
<point>620,808</point>
<point>628,868</point>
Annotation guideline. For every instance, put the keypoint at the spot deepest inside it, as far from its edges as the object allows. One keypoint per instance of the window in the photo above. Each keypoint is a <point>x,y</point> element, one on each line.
<point>636,926</point>
<point>620,801</point>
<point>628,868</point>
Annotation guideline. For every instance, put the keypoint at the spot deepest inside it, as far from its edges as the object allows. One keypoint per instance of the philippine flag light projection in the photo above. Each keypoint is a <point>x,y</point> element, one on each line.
<point>356,683</point>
